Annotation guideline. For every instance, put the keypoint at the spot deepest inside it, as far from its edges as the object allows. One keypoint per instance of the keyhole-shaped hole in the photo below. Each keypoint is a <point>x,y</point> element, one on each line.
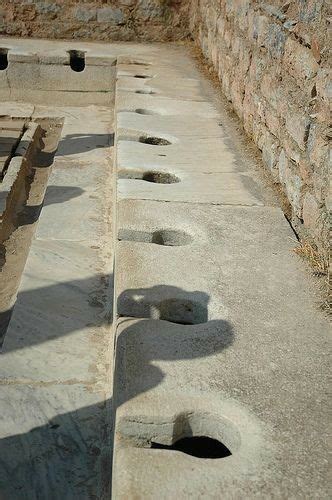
<point>3,59</point>
<point>77,60</point>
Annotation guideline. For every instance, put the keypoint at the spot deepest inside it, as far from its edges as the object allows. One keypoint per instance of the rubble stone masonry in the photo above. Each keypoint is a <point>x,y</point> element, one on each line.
<point>272,62</point>
<point>121,20</point>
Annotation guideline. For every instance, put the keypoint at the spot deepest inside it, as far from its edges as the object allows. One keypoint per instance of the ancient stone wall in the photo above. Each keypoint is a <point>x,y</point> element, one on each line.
<point>271,59</point>
<point>94,20</point>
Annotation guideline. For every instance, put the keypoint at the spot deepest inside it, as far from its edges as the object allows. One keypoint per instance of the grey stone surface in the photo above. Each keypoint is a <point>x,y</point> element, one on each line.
<point>110,15</point>
<point>52,445</point>
<point>55,370</point>
<point>201,153</point>
<point>261,343</point>
<point>86,14</point>
<point>219,334</point>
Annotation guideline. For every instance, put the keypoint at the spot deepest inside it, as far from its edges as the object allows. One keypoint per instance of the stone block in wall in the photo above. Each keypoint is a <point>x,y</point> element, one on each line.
<point>273,122</point>
<point>149,10</point>
<point>257,67</point>
<point>271,88</point>
<point>228,36</point>
<point>297,125</point>
<point>110,15</point>
<point>237,96</point>
<point>126,3</point>
<point>85,14</point>
<point>324,84</point>
<point>270,154</point>
<point>310,10</point>
<point>214,54</point>
<point>226,86</point>
<point>204,44</point>
<point>221,23</point>
<point>318,144</point>
<point>321,181</point>
<point>291,149</point>
<point>47,7</point>
<point>29,12</point>
<point>305,170</point>
<point>242,54</point>
<point>257,27</point>
<point>292,183</point>
<point>211,20</point>
<point>247,117</point>
<point>235,46</point>
<point>238,9</point>
<point>299,61</point>
<point>258,132</point>
<point>275,40</point>
<point>225,70</point>
<point>311,212</point>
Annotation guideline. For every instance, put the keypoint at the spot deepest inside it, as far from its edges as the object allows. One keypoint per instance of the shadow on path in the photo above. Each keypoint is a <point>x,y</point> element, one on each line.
<point>72,144</point>
<point>70,456</point>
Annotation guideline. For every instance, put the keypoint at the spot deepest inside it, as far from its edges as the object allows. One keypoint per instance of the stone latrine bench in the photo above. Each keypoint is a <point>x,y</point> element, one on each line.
<point>214,331</point>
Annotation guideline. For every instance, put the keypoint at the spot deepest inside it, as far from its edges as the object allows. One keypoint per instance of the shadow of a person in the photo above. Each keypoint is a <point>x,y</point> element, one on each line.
<point>142,345</point>
<point>72,144</point>
<point>70,456</point>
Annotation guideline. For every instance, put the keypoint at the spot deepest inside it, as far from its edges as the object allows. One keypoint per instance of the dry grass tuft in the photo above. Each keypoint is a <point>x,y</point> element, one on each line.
<point>313,257</point>
<point>320,267</point>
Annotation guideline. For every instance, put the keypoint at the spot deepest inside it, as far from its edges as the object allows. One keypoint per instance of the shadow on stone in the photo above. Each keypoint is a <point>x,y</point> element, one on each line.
<point>73,449</point>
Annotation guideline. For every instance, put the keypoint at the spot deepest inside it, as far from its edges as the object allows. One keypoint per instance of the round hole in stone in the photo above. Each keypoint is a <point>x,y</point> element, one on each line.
<point>197,446</point>
<point>165,237</point>
<point>144,92</point>
<point>150,176</point>
<point>3,59</point>
<point>160,178</point>
<point>154,141</point>
<point>197,432</point>
<point>181,311</point>
<point>142,111</point>
<point>77,60</point>
<point>171,238</point>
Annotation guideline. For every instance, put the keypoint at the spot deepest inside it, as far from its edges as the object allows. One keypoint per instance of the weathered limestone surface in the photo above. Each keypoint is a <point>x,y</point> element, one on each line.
<point>216,327</point>
<point>218,334</point>
<point>55,366</point>
<point>272,62</point>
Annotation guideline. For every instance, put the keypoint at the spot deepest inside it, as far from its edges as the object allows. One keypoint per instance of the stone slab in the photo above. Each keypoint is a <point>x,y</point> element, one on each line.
<point>45,432</point>
<point>56,363</point>
<point>63,308</point>
<point>261,343</point>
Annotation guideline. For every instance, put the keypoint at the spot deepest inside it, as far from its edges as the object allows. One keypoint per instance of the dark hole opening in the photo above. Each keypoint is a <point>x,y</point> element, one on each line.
<point>160,178</point>
<point>142,111</point>
<point>154,141</point>
<point>167,237</point>
<point>150,92</point>
<point>197,446</point>
<point>3,59</point>
<point>151,176</point>
<point>77,60</point>
<point>54,426</point>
